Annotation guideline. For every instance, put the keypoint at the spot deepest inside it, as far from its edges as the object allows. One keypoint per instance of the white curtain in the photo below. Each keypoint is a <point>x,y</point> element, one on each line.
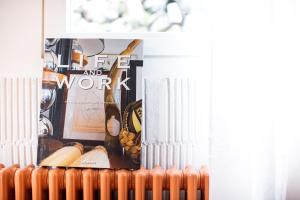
<point>255,99</point>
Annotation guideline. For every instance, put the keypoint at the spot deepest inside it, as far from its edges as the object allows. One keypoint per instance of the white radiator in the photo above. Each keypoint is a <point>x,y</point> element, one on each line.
<point>19,112</point>
<point>176,121</point>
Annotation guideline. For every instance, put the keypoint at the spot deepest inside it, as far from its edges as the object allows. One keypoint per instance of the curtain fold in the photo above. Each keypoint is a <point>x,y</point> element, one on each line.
<point>255,99</point>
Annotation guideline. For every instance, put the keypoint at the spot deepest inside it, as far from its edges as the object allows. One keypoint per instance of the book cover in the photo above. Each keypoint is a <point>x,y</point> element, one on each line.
<point>91,105</point>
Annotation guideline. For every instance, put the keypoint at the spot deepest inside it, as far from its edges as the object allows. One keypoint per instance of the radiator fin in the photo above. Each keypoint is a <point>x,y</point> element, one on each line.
<point>176,125</point>
<point>19,106</point>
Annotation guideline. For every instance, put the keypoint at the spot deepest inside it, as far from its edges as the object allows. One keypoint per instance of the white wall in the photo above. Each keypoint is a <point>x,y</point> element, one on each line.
<point>55,15</point>
<point>20,37</point>
<point>21,34</point>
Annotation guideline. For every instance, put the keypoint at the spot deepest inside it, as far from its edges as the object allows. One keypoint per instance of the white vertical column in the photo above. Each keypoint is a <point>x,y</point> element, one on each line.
<point>19,104</point>
<point>172,136</point>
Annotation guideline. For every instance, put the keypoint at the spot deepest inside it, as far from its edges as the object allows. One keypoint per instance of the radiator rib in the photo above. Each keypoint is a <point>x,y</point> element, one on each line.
<point>19,112</point>
<point>89,184</point>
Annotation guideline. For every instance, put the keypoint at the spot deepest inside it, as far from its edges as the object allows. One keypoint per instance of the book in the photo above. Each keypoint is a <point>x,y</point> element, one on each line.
<point>91,103</point>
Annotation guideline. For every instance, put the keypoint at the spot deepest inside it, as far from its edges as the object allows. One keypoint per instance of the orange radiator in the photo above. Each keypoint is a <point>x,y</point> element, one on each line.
<point>88,184</point>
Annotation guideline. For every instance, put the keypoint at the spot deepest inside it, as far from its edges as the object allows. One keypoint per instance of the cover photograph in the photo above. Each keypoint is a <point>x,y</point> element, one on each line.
<point>91,103</point>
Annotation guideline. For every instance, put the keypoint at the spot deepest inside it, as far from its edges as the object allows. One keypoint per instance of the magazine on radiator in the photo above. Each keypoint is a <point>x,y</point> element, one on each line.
<point>91,103</point>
